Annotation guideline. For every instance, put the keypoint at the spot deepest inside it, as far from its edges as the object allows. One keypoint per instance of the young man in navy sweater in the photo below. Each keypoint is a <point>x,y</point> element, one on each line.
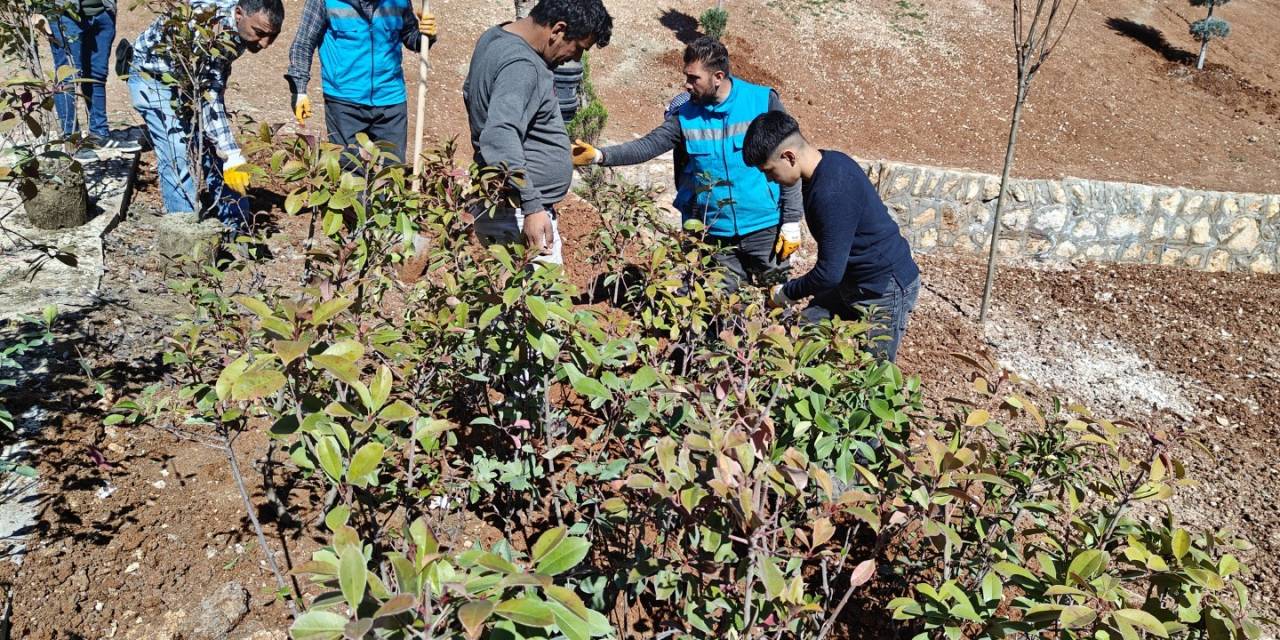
<point>864,269</point>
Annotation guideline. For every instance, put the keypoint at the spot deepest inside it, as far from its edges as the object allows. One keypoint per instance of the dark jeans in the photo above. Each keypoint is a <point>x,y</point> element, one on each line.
<point>83,44</point>
<point>749,258</point>
<point>886,312</point>
<point>344,120</point>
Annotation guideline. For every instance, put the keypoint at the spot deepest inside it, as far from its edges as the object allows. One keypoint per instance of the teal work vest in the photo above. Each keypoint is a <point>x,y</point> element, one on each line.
<point>739,199</point>
<point>360,58</point>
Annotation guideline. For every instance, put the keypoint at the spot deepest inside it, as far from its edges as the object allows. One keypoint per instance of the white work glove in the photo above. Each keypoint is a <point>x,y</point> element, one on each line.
<point>788,240</point>
<point>778,298</point>
<point>235,173</point>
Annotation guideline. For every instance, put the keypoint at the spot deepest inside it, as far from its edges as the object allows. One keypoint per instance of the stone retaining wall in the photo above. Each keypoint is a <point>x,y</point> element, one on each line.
<point>1077,219</point>
<point>1069,219</point>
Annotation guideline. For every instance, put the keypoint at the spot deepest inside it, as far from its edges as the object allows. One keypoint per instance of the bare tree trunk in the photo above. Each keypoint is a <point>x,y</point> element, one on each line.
<point>1021,99</point>
<point>1204,44</point>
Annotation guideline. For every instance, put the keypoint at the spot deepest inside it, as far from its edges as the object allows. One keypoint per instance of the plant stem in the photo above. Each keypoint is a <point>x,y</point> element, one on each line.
<point>1023,86</point>
<point>257,526</point>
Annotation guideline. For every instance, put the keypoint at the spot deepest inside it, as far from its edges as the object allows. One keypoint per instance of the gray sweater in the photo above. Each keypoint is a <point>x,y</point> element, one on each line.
<point>515,119</point>
<point>669,134</point>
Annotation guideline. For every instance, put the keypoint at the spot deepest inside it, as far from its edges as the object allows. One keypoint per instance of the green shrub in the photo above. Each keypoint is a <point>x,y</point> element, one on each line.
<point>714,22</point>
<point>711,464</point>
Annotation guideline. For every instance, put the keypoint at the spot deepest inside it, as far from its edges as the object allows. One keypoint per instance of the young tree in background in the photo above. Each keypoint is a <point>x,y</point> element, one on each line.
<point>1208,28</point>
<point>1038,26</point>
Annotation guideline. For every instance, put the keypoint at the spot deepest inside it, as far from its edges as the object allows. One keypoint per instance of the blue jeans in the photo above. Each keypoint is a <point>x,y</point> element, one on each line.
<point>84,44</point>
<point>887,312</point>
<point>172,138</point>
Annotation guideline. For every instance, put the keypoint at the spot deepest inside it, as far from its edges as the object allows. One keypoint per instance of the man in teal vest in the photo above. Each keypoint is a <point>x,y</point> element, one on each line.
<point>754,222</point>
<point>360,66</point>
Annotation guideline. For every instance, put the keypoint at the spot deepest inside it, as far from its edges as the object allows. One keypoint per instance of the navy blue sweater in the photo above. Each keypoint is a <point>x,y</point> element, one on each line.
<point>858,243</point>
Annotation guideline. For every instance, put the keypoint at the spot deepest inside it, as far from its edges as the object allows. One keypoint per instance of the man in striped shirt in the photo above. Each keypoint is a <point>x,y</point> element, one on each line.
<point>177,81</point>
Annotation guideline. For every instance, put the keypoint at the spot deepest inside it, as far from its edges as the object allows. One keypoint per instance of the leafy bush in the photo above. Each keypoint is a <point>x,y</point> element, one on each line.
<point>589,121</point>
<point>695,463</point>
<point>714,22</point>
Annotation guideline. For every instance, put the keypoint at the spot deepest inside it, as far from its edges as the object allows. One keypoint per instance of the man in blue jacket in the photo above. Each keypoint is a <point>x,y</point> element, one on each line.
<point>864,268</point>
<point>360,66</point>
<point>756,224</point>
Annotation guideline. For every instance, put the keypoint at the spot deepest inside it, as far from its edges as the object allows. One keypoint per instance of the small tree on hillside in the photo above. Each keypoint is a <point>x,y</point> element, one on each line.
<point>1038,26</point>
<point>1208,28</point>
<point>714,21</point>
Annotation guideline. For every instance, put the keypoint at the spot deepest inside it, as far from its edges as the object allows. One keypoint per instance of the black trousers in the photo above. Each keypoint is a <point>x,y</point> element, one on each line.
<point>344,120</point>
<point>749,258</point>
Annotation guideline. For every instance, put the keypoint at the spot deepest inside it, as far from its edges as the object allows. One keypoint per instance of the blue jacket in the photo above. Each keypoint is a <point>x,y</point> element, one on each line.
<point>360,55</point>
<point>739,200</point>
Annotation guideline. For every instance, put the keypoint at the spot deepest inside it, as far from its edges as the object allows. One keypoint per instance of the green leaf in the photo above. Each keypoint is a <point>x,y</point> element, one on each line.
<point>330,457</point>
<point>549,540</point>
<point>229,375</point>
<point>473,615</point>
<point>396,605</point>
<point>992,588</point>
<point>380,388</point>
<point>1142,620</point>
<point>592,388</point>
<point>398,411</point>
<point>1181,543</point>
<point>573,626</point>
<point>328,309</point>
<point>318,625</point>
<point>568,599</point>
<point>563,557</point>
<point>527,611</point>
<point>538,307</point>
<point>255,305</point>
<point>351,577</point>
<point>365,463</point>
<point>643,379</point>
<point>290,350</point>
<point>1076,616</point>
<point>337,517</point>
<point>341,368</point>
<point>774,581</point>
<point>257,383</point>
<point>1088,564</point>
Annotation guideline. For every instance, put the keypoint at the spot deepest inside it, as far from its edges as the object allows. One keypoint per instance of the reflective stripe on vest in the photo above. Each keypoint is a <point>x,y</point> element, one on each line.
<point>718,188</point>
<point>360,59</point>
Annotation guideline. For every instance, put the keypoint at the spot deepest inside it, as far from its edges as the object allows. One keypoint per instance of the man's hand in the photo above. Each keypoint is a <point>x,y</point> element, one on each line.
<point>427,24</point>
<point>235,174</point>
<point>584,154</point>
<point>301,108</point>
<point>788,240</point>
<point>537,232</point>
<point>778,298</point>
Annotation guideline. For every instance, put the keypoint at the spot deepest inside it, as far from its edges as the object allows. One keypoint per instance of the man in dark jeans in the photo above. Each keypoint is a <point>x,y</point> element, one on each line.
<point>80,36</point>
<point>864,269</point>
<point>361,44</point>
<point>755,224</point>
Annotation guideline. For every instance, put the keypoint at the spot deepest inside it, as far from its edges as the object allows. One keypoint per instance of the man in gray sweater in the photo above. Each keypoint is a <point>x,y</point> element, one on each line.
<point>515,118</point>
<point>754,223</point>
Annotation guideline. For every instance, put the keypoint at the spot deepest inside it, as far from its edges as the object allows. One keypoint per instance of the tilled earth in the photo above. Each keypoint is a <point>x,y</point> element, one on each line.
<point>142,535</point>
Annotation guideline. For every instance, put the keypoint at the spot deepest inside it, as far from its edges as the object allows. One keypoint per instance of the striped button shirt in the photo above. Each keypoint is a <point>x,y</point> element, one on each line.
<point>153,54</point>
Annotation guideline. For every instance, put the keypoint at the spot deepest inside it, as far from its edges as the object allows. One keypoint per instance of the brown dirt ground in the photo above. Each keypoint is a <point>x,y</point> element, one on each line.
<point>922,81</point>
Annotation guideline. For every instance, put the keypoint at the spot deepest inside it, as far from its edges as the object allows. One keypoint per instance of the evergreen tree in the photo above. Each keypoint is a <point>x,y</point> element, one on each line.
<point>1208,28</point>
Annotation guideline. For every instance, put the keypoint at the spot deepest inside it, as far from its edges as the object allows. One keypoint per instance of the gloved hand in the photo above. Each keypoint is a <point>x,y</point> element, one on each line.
<point>301,108</point>
<point>788,240</point>
<point>235,174</point>
<point>427,25</point>
<point>778,298</point>
<point>585,154</point>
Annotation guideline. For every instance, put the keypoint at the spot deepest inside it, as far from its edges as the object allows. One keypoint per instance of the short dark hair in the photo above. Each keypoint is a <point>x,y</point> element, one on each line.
<point>582,18</point>
<point>710,52</point>
<point>274,9</point>
<point>766,133</point>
